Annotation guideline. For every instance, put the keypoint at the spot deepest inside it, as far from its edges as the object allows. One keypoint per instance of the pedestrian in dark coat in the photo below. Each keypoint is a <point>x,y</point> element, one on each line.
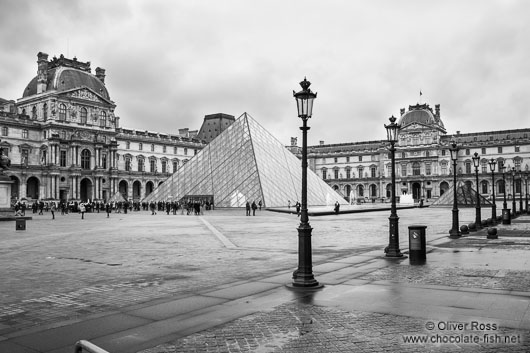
<point>247,206</point>
<point>254,208</point>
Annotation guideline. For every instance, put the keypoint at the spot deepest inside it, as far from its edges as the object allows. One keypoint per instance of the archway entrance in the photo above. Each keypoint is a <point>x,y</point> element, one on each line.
<point>123,188</point>
<point>85,189</point>
<point>416,191</point>
<point>148,188</point>
<point>444,186</point>
<point>15,188</point>
<point>389,190</point>
<point>32,188</point>
<point>137,189</point>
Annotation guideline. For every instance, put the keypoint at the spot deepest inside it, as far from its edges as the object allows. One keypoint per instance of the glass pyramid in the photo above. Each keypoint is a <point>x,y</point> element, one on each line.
<point>244,163</point>
<point>466,196</point>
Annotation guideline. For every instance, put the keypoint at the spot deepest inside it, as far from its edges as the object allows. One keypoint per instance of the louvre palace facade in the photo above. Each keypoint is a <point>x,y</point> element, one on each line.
<point>65,142</point>
<point>362,170</point>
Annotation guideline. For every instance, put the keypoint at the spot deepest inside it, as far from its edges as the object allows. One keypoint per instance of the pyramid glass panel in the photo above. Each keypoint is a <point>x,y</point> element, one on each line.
<point>245,163</point>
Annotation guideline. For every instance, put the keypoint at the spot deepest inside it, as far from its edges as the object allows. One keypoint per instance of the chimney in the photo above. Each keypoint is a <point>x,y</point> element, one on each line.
<point>294,141</point>
<point>100,74</point>
<point>42,72</point>
<point>184,132</point>
<point>321,143</point>
<point>402,111</point>
<point>437,110</point>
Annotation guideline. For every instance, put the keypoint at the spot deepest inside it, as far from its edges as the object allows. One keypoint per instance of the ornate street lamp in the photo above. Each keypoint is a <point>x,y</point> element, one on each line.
<point>520,175</point>
<point>478,218</point>
<point>303,276</point>
<point>455,231</point>
<point>393,242</point>
<point>492,164</point>
<point>526,191</point>
<point>514,205</point>
<point>506,217</point>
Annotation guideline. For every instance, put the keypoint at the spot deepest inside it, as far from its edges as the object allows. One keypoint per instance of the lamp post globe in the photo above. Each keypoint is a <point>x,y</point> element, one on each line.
<point>303,276</point>
<point>455,231</point>
<point>478,218</point>
<point>393,241</point>
<point>492,163</point>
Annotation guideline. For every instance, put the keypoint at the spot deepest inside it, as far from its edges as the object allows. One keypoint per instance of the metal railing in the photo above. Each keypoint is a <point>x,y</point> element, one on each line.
<point>85,346</point>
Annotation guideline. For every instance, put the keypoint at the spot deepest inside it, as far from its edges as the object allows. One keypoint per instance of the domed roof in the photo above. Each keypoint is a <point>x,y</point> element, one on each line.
<point>418,114</point>
<point>67,78</point>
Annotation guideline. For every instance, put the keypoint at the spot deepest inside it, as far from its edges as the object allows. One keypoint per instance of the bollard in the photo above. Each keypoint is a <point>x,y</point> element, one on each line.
<point>20,224</point>
<point>506,216</point>
<point>417,246</point>
<point>464,229</point>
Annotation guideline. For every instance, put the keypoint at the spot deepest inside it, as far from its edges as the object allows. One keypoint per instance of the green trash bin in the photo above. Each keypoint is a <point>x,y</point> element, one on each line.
<point>506,216</point>
<point>20,224</point>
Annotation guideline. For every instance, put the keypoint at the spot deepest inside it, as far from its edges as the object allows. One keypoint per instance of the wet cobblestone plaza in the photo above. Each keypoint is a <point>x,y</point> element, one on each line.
<point>68,271</point>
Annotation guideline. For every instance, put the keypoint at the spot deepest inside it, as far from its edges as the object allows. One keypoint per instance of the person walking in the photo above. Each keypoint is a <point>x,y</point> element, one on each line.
<point>259,204</point>
<point>82,209</point>
<point>254,207</point>
<point>247,206</point>
<point>107,209</point>
<point>298,206</point>
<point>53,209</point>
<point>337,207</point>
<point>289,204</point>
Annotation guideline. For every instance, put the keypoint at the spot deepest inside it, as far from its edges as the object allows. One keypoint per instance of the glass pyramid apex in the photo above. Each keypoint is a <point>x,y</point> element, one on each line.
<point>245,163</point>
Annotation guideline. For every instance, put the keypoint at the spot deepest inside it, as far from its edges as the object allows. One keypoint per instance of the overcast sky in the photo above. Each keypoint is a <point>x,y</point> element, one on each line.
<point>169,63</point>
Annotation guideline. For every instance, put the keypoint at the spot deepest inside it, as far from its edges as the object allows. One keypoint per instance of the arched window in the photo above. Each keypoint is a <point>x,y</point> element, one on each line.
<point>127,164</point>
<point>62,112</point>
<point>34,113</point>
<point>85,159</point>
<point>152,165</point>
<point>360,191</point>
<point>84,115</point>
<point>484,187</point>
<point>102,119</point>
<point>373,190</point>
<point>140,164</point>
<point>45,111</point>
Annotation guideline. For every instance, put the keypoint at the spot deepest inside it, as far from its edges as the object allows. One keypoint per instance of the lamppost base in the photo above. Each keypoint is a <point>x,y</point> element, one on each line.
<point>455,234</point>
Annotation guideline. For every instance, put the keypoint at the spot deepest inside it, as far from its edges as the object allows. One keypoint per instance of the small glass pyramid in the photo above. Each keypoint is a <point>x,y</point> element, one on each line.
<point>244,163</point>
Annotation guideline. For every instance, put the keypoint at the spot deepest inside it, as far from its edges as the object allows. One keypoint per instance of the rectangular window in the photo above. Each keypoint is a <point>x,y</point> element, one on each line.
<point>347,159</point>
<point>404,170</point>
<point>127,145</point>
<point>427,169</point>
<point>164,149</point>
<point>348,173</point>
<point>360,158</point>
<point>5,130</point>
<point>175,166</point>
<point>104,161</point>
<point>152,147</point>
<point>195,152</point>
<point>468,152</point>
<point>499,149</point>
<point>444,169</point>
<point>128,165</point>
<point>175,150</point>
<point>336,173</point>
<point>62,158</point>
<point>185,151</point>
<point>24,157</point>
<point>516,148</point>
<point>372,157</point>
<point>483,151</point>
<point>24,133</point>
<point>361,173</point>
<point>484,167</point>
<point>372,172</point>
<point>324,174</point>
<point>468,168</point>
<point>403,155</point>
<point>164,165</point>
<point>335,159</point>
<point>443,152</point>
<point>140,146</point>
<point>152,166</point>
<point>140,165</point>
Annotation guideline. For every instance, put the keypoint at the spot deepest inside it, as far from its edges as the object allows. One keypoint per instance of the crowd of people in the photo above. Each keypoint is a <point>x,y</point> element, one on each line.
<point>189,207</point>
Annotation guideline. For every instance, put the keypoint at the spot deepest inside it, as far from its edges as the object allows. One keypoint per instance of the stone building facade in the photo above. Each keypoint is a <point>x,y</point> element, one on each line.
<point>362,170</point>
<point>66,143</point>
